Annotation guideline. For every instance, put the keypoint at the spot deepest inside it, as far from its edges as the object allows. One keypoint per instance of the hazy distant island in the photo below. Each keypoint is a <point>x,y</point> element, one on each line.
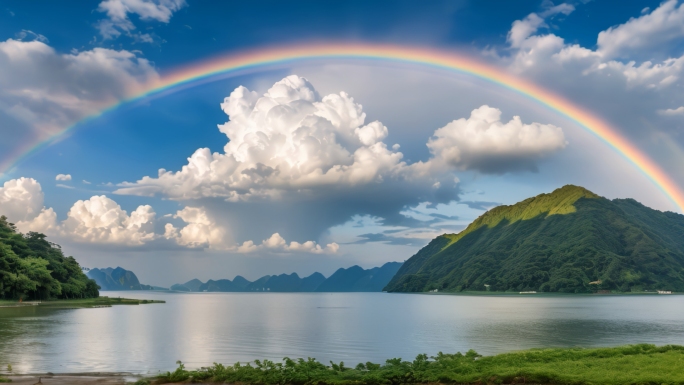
<point>118,279</point>
<point>352,279</point>
<point>569,241</point>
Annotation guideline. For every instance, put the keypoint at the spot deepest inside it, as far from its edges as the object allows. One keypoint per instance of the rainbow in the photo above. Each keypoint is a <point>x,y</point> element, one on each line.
<point>235,64</point>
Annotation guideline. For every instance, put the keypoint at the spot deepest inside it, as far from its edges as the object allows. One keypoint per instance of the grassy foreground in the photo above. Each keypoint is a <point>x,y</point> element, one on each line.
<point>80,303</point>
<point>625,365</point>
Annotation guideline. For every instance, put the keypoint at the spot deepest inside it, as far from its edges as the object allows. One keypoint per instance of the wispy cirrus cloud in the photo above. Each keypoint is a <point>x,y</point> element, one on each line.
<point>118,21</point>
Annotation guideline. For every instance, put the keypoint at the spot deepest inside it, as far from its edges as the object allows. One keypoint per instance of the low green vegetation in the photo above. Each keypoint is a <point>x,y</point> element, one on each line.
<point>568,241</point>
<point>31,268</point>
<point>626,365</point>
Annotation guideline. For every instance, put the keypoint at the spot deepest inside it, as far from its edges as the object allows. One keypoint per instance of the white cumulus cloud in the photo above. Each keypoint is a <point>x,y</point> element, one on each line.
<point>548,56</point>
<point>633,76</point>
<point>291,139</point>
<point>645,35</point>
<point>101,220</point>
<point>97,220</point>
<point>286,140</point>
<point>484,143</point>
<point>277,243</point>
<point>297,163</point>
<point>202,231</point>
<point>63,177</point>
<point>21,201</point>
<point>199,231</point>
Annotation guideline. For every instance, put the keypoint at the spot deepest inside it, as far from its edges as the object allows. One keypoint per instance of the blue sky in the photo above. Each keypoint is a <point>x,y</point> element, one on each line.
<point>59,62</point>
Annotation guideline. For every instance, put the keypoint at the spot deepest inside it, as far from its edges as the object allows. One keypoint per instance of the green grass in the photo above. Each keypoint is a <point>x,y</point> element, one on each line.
<point>81,303</point>
<point>625,365</point>
<point>548,294</point>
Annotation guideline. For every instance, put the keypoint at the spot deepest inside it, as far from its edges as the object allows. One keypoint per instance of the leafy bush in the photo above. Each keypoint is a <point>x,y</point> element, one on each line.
<point>631,365</point>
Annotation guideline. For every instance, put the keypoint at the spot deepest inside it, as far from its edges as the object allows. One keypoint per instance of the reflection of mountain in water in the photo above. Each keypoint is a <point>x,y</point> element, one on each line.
<point>349,327</point>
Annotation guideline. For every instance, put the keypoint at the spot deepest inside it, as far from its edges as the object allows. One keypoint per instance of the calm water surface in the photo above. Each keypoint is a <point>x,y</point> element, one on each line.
<point>203,328</point>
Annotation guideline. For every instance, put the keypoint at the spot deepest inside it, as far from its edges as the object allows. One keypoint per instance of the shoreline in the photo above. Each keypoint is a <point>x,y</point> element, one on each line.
<point>462,293</point>
<point>87,303</point>
<point>541,294</point>
<point>638,364</point>
<point>74,378</point>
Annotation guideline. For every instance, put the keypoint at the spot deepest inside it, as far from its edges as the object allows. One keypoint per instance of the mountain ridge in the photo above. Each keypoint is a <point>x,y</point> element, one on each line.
<point>352,279</point>
<point>555,242</point>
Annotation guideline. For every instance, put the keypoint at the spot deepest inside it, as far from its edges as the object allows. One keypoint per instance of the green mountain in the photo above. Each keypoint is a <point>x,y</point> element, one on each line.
<point>570,240</point>
<point>33,268</point>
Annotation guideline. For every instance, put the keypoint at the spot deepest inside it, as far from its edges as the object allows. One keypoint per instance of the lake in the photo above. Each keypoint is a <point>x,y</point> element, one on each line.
<point>202,328</point>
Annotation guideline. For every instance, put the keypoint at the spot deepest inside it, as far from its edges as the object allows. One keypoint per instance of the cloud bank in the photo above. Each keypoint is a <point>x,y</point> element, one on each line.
<point>634,74</point>
<point>43,91</point>
<point>201,231</point>
<point>484,143</point>
<point>297,163</point>
<point>100,220</point>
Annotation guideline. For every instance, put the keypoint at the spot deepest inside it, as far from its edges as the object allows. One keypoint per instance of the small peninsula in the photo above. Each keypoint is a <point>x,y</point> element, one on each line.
<point>35,272</point>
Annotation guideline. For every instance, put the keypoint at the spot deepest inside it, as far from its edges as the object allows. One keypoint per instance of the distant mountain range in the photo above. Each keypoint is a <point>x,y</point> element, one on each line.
<point>570,240</point>
<point>353,279</point>
<point>118,279</point>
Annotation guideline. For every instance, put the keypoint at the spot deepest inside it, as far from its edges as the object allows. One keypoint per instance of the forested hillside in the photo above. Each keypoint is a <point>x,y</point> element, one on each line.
<point>570,240</point>
<point>33,268</point>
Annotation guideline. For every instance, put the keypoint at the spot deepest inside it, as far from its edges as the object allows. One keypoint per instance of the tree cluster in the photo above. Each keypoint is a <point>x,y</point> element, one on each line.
<point>32,268</point>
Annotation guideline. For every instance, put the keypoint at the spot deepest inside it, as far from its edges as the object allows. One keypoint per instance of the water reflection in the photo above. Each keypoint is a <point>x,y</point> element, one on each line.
<point>352,327</point>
